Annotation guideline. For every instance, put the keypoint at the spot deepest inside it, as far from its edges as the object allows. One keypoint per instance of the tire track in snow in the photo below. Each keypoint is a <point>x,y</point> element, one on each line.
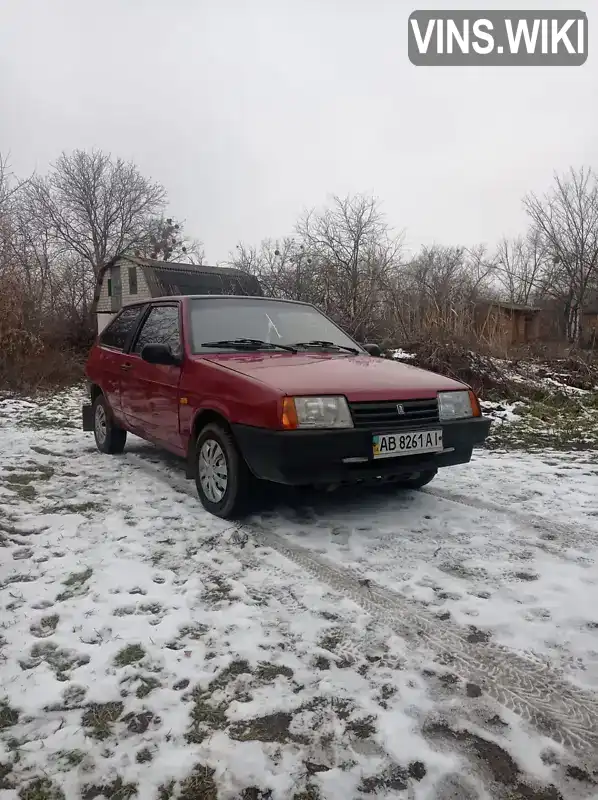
<point>527,686</point>
<point>348,648</point>
<point>574,534</point>
<point>531,689</point>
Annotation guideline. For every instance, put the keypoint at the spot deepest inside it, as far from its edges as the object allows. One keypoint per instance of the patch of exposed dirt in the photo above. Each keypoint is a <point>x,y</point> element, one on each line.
<point>139,723</point>
<point>45,627</point>
<point>144,756</point>
<point>579,774</point>
<point>75,585</point>
<point>476,636</point>
<point>472,690</point>
<point>393,779</point>
<point>494,762</point>
<point>525,576</point>
<point>269,728</point>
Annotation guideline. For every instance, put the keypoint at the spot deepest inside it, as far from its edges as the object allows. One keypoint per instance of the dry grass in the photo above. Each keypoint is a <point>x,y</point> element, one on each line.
<point>8,716</point>
<point>41,789</point>
<point>98,719</point>
<point>129,655</point>
<point>487,369</point>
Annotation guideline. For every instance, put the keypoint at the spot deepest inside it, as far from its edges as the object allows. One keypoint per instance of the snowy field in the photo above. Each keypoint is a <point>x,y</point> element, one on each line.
<point>439,644</point>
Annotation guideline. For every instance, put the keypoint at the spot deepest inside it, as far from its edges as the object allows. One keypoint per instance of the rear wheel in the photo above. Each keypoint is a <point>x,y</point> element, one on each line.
<point>109,437</point>
<point>222,477</point>
<point>417,480</point>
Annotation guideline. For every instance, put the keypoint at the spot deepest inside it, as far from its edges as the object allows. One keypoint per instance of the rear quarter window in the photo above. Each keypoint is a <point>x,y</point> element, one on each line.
<point>119,331</point>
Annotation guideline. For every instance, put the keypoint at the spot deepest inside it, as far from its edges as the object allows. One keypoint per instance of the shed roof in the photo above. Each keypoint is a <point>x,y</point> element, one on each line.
<point>509,306</point>
<point>167,278</point>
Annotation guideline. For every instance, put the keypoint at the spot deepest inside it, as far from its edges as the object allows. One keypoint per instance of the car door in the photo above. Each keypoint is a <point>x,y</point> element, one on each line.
<point>150,392</point>
<point>111,357</point>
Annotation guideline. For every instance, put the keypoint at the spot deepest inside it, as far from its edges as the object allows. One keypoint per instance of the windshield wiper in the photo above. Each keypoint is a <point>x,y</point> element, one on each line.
<point>249,344</point>
<point>327,346</point>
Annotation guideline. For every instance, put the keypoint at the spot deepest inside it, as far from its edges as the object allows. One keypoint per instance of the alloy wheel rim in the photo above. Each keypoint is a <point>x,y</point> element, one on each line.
<point>101,424</point>
<point>213,470</point>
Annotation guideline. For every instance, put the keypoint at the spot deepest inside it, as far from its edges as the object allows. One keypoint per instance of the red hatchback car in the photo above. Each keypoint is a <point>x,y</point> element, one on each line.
<point>249,388</point>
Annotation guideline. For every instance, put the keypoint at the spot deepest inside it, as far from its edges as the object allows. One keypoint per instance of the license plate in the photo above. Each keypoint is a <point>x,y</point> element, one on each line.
<point>387,445</point>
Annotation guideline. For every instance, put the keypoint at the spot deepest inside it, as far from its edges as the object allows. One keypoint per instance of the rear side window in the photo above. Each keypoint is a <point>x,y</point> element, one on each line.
<point>117,333</point>
<point>161,327</point>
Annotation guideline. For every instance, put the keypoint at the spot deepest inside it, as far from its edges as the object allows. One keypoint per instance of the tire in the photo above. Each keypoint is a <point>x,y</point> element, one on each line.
<point>417,480</point>
<point>109,437</point>
<point>222,477</point>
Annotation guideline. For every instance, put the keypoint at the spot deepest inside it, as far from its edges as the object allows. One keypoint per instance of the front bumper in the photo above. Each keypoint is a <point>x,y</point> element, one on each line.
<point>320,457</point>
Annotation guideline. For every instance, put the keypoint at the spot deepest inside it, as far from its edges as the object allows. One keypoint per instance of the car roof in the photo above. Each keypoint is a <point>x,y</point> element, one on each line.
<point>185,297</point>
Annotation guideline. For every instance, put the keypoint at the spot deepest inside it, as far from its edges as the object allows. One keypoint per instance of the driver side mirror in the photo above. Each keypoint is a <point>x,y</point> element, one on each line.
<point>373,349</point>
<point>159,354</point>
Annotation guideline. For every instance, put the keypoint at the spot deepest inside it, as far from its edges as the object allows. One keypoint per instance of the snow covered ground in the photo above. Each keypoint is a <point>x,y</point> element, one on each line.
<point>436,644</point>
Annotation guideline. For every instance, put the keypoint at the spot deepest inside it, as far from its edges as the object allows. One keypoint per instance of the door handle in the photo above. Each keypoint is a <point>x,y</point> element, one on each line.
<point>126,366</point>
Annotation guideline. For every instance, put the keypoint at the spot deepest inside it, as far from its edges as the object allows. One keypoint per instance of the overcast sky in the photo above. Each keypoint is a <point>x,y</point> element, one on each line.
<point>250,111</point>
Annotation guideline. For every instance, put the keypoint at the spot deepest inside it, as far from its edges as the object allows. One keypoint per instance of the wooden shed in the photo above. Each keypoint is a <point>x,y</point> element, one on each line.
<point>590,327</point>
<point>511,323</point>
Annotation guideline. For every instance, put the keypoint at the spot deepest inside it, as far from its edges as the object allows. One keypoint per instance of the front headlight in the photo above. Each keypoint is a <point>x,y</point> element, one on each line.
<point>316,412</point>
<point>457,405</point>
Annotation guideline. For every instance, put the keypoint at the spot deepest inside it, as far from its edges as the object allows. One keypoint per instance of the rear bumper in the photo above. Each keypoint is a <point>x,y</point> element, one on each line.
<point>320,457</point>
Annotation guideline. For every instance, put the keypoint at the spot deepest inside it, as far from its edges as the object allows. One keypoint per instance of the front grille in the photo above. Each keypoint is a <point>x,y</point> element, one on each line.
<point>383,416</point>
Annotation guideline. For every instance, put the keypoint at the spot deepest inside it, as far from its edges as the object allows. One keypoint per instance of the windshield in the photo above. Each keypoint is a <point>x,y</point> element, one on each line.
<point>275,322</point>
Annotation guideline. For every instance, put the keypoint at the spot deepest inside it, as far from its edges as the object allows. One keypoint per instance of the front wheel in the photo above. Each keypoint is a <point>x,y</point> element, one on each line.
<point>222,477</point>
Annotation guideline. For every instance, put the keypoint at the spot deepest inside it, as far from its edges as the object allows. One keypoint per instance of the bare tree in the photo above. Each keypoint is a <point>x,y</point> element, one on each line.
<point>435,293</point>
<point>99,208</point>
<point>522,266</point>
<point>284,268</point>
<point>245,257</point>
<point>353,252</point>
<point>8,187</point>
<point>9,192</point>
<point>566,219</point>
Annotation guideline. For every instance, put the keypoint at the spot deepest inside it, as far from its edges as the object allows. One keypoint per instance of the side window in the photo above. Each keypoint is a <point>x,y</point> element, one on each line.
<point>117,333</point>
<point>132,280</point>
<point>161,327</point>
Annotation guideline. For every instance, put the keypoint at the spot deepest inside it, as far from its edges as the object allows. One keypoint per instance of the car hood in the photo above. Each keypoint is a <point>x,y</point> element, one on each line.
<point>361,377</point>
